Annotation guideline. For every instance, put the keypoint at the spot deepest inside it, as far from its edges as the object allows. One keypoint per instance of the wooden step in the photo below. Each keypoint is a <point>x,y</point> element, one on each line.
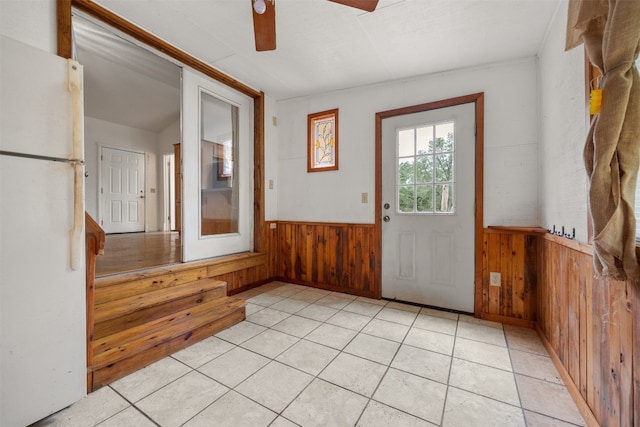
<point>139,338</point>
<point>151,342</point>
<point>118,315</point>
<point>117,287</point>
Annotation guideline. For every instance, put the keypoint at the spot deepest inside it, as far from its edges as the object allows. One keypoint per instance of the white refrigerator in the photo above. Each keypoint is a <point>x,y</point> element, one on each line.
<point>42,266</point>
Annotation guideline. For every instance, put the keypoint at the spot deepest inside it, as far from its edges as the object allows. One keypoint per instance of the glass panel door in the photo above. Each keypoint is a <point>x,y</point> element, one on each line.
<point>217,184</point>
<point>218,151</point>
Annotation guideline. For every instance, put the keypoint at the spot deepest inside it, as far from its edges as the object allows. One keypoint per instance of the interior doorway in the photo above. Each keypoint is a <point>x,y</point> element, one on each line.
<point>169,198</point>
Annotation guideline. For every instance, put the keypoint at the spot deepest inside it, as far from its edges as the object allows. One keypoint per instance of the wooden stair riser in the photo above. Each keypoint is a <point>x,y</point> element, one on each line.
<point>116,370</point>
<point>139,339</point>
<point>145,315</point>
<point>107,290</point>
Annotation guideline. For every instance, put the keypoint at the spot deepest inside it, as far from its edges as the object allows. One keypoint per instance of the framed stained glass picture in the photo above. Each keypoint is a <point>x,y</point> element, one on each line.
<point>322,149</point>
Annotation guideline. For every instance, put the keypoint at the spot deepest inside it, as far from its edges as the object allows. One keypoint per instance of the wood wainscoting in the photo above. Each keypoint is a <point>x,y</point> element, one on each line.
<point>590,326</point>
<point>335,256</point>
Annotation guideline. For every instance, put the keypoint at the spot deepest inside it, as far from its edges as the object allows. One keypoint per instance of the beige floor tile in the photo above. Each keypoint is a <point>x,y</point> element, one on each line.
<point>524,339</point>
<point>548,399</point>
<point>415,395</point>
<point>270,343</point>
<point>308,356</point>
<point>268,317</point>
<point>240,332</point>
<point>323,404</point>
<point>290,305</point>
<point>373,348</point>
<point>482,353</point>
<point>535,365</point>
<point>468,409</point>
<point>282,422</point>
<point>354,373</point>
<point>332,336</point>
<point>310,296</point>
<point>335,301</point>
<point>203,352</point>
<point>363,308</point>
<point>439,313</point>
<point>379,415</point>
<point>234,366</point>
<point>380,302</point>
<point>349,320</point>
<point>317,312</point>
<point>436,324</point>
<point>539,420</point>
<point>181,400</point>
<point>344,295</point>
<point>252,308</point>
<point>275,385</point>
<point>141,383</point>
<point>404,307</point>
<point>429,340</point>
<point>396,316</point>
<point>233,410</point>
<point>89,411</point>
<point>296,326</point>
<point>482,333</point>
<point>427,364</point>
<point>389,330</point>
<point>480,379</point>
<point>265,299</point>
<point>285,291</point>
<point>475,320</point>
<point>129,417</point>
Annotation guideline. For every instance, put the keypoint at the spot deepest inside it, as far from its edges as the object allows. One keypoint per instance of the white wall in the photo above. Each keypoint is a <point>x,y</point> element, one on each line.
<point>169,136</point>
<point>30,21</point>
<point>511,182</point>
<point>101,133</point>
<point>563,130</point>
<point>270,158</point>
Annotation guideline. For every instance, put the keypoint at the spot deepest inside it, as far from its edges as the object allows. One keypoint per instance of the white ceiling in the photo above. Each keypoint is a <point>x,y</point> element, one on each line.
<point>323,46</point>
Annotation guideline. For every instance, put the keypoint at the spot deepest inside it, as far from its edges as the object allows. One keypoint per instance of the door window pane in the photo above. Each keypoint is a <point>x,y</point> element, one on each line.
<point>219,201</point>
<point>426,163</point>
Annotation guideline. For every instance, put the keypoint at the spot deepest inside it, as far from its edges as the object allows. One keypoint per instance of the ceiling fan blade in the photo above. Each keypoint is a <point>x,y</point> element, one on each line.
<point>366,5</point>
<point>264,27</point>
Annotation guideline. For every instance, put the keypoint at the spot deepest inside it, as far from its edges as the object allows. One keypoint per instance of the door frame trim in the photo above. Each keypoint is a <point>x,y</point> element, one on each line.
<point>478,100</point>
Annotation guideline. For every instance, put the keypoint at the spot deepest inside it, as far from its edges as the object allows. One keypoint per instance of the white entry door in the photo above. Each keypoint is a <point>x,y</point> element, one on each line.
<point>428,196</point>
<point>122,191</point>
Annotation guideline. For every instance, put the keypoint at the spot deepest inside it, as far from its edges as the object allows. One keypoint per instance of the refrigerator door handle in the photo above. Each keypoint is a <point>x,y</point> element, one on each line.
<point>74,73</point>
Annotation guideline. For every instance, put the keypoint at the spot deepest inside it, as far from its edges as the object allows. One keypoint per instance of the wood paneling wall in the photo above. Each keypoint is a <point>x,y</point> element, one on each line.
<point>590,326</point>
<point>513,254</point>
<point>339,257</point>
<point>593,327</point>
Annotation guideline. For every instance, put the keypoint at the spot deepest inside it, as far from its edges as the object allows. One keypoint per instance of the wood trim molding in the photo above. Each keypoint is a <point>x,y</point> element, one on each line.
<point>478,100</point>
<point>138,33</point>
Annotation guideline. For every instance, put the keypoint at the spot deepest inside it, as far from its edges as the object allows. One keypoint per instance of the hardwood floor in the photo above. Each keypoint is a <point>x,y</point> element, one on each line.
<point>135,251</point>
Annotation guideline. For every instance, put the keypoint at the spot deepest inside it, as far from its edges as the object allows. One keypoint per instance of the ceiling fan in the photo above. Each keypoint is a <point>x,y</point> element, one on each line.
<point>264,19</point>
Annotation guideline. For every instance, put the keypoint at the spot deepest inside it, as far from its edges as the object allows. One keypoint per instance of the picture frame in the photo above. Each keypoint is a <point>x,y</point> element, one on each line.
<point>322,141</point>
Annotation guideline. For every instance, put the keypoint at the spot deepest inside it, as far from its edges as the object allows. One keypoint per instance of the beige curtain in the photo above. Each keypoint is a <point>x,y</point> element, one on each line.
<point>610,31</point>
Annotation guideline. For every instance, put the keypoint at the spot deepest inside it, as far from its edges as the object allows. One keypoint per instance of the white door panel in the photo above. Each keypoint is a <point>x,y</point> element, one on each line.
<point>122,191</point>
<point>428,253</point>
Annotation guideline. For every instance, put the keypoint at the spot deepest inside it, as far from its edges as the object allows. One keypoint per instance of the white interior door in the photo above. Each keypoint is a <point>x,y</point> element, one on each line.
<point>428,195</point>
<point>122,191</point>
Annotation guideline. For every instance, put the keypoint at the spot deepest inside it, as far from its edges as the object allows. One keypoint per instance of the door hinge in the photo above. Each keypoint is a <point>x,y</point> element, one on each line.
<point>101,157</point>
<point>101,222</point>
<point>101,190</point>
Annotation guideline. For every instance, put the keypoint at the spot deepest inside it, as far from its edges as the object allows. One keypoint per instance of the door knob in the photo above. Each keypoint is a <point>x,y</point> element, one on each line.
<point>386,218</point>
<point>142,197</point>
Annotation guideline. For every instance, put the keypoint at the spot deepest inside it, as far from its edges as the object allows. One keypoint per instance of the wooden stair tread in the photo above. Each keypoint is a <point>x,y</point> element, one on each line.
<point>132,341</point>
<point>123,306</point>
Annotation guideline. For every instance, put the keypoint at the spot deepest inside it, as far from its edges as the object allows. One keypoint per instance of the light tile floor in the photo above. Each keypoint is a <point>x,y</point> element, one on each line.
<point>309,357</point>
